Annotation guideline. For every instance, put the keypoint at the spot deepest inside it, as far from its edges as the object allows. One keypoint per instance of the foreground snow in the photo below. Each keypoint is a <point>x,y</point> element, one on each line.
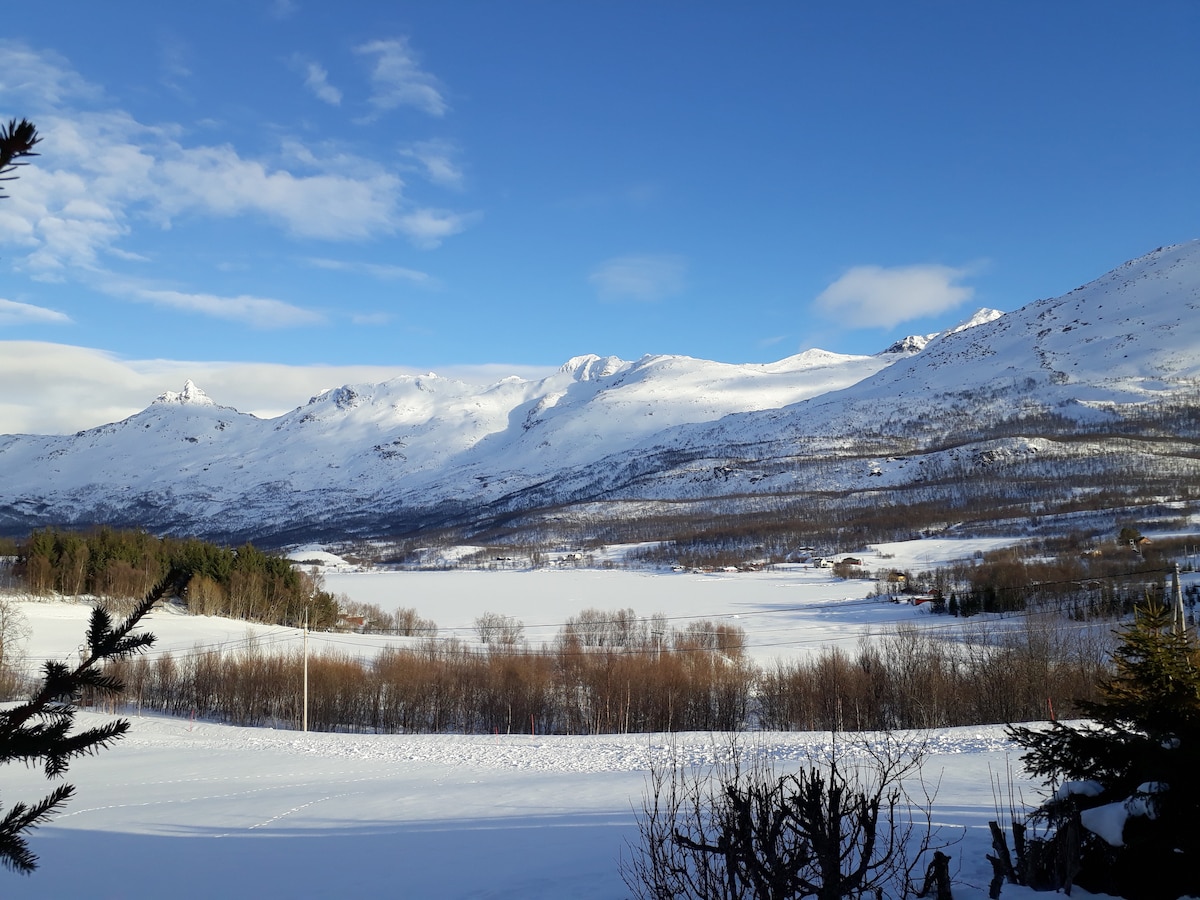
<point>195,810</point>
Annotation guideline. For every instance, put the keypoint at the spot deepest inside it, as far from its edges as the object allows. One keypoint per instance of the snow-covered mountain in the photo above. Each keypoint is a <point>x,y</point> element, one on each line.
<point>1106,361</point>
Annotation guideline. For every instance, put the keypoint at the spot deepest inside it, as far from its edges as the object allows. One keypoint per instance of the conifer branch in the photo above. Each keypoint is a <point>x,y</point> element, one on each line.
<point>17,140</point>
<point>39,732</point>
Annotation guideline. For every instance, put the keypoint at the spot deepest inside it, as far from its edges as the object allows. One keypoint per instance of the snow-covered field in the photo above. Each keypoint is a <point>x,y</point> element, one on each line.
<point>197,810</point>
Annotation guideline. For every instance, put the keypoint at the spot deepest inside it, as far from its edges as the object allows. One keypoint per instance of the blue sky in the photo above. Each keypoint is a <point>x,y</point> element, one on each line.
<point>275,197</point>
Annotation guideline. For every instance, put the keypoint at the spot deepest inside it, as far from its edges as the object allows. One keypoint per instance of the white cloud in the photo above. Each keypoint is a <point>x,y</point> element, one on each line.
<point>399,80</point>
<point>317,80</point>
<point>646,278</point>
<point>257,311</point>
<point>878,297</point>
<point>48,388</point>
<point>54,388</point>
<point>429,227</point>
<point>102,174</point>
<point>14,313</point>
<point>217,181</point>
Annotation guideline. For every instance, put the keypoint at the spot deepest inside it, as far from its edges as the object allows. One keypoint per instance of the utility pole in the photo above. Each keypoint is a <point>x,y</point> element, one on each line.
<point>1180,621</point>
<point>304,717</point>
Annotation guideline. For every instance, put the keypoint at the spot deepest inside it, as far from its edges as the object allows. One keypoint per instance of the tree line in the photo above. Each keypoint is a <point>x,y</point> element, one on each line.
<point>1073,576</point>
<point>683,682</point>
<point>595,677</point>
<point>913,678</point>
<point>242,583</point>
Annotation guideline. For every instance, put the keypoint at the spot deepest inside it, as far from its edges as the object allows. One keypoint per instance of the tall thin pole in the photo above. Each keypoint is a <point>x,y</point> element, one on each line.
<point>1180,619</point>
<point>304,721</point>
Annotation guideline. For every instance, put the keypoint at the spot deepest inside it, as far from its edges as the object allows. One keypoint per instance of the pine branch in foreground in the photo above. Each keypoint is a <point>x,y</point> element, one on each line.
<point>17,140</point>
<point>14,849</point>
<point>39,732</point>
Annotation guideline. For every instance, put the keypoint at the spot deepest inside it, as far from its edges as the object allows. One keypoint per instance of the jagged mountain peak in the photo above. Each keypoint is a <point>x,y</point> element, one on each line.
<point>981,317</point>
<point>914,343</point>
<point>191,395</point>
<point>591,367</point>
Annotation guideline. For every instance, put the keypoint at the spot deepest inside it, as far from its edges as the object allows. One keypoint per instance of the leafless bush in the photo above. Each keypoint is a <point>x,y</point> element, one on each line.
<point>14,634</point>
<point>608,628</point>
<point>497,630</point>
<point>844,825</point>
<point>706,634</point>
<point>1011,671</point>
<point>409,624</point>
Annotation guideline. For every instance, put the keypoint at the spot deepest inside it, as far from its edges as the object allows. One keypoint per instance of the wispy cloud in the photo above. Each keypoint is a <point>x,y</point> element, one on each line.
<point>283,9</point>
<point>15,313</point>
<point>878,297</point>
<point>429,227</point>
<point>371,318</point>
<point>647,278</point>
<point>399,80</point>
<point>316,79</point>
<point>381,271</point>
<point>639,195</point>
<point>435,160</point>
<point>260,312</point>
<point>173,56</point>
<point>44,77</point>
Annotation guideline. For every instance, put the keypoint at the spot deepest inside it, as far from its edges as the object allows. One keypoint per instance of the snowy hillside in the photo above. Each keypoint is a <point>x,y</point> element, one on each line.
<point>1083,387</point>
<point>1061,400</point>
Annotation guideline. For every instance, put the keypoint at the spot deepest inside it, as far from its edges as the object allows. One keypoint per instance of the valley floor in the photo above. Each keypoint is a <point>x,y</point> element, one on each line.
<point>198,810</point>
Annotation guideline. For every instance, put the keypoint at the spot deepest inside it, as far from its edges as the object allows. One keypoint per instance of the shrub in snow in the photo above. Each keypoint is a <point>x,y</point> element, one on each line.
<point>836,827</point>
<point>1124,817</point>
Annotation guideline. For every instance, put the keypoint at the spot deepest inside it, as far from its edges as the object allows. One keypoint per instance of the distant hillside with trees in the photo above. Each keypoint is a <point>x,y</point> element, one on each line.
<point>242,583</point>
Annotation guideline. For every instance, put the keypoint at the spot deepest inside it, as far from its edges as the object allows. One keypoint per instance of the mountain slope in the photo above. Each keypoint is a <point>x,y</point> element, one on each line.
<point>1068,403</point>
<point>1090,393</point>
<point>187,463</point>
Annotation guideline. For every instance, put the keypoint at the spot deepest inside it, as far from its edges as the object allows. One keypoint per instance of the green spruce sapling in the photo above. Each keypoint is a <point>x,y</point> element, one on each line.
<point>1130,773</point>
